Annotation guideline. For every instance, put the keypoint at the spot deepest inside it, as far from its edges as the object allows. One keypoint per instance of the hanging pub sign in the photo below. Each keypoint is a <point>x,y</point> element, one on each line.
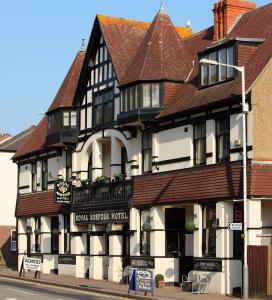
<point>102,217</point>
<point>63,192</point>
<point>142,281</point>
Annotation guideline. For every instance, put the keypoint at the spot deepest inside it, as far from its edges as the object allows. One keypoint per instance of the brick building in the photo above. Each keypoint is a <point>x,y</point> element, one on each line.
<point>152,143</point>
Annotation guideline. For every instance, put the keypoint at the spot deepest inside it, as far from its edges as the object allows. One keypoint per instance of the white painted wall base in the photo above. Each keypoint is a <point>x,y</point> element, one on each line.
<point>115,269</point>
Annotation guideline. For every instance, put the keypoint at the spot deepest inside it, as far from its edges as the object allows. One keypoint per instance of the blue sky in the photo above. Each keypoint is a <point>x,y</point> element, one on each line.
<point>39,40</point>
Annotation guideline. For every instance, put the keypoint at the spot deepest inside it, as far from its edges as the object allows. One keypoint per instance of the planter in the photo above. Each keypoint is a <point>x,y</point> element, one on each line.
<point>160,284</point>
<point>146,227</point>
<point>189,227</point>
<point>37,231</point>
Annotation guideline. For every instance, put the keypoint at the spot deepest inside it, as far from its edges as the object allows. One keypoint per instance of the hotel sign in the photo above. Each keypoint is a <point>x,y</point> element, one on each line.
<point>63,192</point>
<point>102,217</point>
<point>209,265</point>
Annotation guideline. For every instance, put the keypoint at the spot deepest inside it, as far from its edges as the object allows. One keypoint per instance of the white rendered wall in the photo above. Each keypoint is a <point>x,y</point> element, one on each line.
<point>25,178</point>
<point>8,189</point>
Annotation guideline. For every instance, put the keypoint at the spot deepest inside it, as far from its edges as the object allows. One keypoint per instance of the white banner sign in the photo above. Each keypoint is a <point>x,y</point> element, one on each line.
<point>32,264</point>
<point>235,226</point>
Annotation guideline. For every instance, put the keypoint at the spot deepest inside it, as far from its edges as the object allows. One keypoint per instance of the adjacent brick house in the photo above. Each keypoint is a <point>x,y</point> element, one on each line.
<point>137,104</point>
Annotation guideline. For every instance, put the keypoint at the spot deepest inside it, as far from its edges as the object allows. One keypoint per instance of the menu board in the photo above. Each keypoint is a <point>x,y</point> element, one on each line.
<point>142,280</point>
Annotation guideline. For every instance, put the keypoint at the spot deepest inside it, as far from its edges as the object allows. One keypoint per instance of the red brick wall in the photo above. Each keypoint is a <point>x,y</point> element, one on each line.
<point>7,257</point>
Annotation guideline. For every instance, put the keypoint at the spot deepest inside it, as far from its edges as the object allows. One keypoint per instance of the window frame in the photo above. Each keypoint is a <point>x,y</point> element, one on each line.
<point>44,174</point>
<point>202,139</point>
<point>145,234</point>
<point>70,113</point>
<point>34,177</point>
<point>13,241</point>
<point>54,236</point>
<point>105,101</point>
<point>147,150</point>
<point>68,165</point>
<point>217,136</point>
<point>208,229</point>
<point>217,52</point>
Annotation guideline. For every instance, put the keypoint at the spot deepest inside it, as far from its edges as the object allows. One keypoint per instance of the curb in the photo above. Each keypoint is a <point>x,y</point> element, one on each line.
<point>80,288</point>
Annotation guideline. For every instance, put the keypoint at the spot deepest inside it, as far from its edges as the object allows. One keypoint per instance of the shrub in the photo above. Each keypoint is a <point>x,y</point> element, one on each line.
<point>159,277</point>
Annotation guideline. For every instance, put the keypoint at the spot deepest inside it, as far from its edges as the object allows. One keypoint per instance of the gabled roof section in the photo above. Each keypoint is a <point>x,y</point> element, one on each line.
<point>35,142</point>
<point>66,92</point>
<point>160,55</point>
<point>123,38</point>
<point>14,143</point>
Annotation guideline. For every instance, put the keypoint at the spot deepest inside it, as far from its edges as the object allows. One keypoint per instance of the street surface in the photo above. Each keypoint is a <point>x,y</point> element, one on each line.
<point>17,290</point>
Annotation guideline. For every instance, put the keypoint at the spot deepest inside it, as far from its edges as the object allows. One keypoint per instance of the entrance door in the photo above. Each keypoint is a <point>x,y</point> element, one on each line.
<point>126,245</point>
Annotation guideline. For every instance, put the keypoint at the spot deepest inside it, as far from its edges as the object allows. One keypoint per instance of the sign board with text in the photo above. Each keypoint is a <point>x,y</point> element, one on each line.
<point>63,192</point>
<point>235,226</point>
<point>102,217</point>
<point>32,264</point>
<point>210,265</point>
<point>142,280</point>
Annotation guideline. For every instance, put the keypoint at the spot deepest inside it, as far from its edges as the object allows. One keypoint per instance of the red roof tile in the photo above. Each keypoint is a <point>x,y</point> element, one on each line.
<point>160,55</point>
<point>64,98</point>
<point>66,92</point>
<point>39,203</point>
<point>123,38</point>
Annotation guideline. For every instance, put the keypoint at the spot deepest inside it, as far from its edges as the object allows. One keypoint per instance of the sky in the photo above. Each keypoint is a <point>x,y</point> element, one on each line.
<point>39,40</point>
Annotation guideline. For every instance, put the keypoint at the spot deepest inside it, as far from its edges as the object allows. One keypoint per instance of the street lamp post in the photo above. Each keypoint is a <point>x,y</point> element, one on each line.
<point>245,111</point>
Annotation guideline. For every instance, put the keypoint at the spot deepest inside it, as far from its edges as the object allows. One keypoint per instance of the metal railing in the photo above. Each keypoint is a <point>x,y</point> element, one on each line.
<point>102,193</point>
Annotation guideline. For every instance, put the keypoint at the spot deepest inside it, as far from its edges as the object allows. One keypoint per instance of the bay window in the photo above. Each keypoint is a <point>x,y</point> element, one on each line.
<point>209,230</point>
<point>212,74</point>
<point>223,139</point>
<point>69,119</point>
<point>146,95</point>
<point>200,144</point>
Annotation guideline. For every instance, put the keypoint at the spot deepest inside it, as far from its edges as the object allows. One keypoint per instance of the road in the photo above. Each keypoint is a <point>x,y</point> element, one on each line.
<point>18,290</point>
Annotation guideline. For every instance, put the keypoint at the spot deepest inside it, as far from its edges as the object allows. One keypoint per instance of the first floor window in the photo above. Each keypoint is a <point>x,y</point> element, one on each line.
<point>68,165</point>
<point>200,143</point>
<point>103,108</point>
<point>90,168</point>
<point>145,232</point>
<point>13,240</point>
<point>209,230</point>
<point>34,177</point>
<point>147,151</point>
<point>44,175</point>
<point>69,119</point>
<point>223,139</point>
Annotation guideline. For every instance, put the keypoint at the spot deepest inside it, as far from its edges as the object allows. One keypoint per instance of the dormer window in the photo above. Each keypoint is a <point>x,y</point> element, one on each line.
<point>69,119</point>
<point>213,74</point>
<point>146,95</point>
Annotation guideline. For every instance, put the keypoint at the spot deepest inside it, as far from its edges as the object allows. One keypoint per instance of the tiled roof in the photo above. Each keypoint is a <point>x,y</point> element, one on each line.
<point>64,98</point>
<point>160,55</point>
<point>255,24</point>
<point>123,38</point>
<point>66,92</point>
<point>14,143</point>
<point>4,136</point>
<point>38,203</point>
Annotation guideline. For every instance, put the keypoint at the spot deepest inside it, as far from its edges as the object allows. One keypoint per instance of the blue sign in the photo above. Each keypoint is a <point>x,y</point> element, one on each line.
<point>142,281</point>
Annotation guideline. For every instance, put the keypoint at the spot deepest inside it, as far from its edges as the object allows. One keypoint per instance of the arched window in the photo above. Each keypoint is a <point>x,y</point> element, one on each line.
<point>147,151</point>
<point>90,168</point>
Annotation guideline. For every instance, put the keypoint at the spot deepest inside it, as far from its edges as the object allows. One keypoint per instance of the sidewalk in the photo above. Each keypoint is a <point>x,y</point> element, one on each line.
<point>106,287</point>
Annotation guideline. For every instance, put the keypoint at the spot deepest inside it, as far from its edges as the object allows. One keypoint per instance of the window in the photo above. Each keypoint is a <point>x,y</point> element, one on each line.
<point>209,230</point>
<point>174,227</point>
<point>90,168</point>
<point>200,144</point>
<point>44,175</point>
<point>54,235</point>
<point>150,97</point>
<point>68,165</point>
<point>34,177</point>
<point>67,237</point>
<point>222,139</point>
<point>13,240</point>
<point>145,232</point>
<point>69,119</point>
<point>53,122</point>
<point>37,232</point>
<point>212,74</point>
<point>147,151</point>
<point>103,110</point>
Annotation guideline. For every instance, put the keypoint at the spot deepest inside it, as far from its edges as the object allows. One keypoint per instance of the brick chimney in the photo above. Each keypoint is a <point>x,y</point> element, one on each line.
<point>226,13</point>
